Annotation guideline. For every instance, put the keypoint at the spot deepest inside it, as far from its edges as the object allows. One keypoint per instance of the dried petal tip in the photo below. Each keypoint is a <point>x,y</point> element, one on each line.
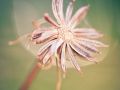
<point>46,15</point>
<point>50,20</point>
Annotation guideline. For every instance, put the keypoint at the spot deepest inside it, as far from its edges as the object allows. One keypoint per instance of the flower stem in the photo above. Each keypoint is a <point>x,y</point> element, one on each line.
<point>31,77</point>
<point>59,80</point>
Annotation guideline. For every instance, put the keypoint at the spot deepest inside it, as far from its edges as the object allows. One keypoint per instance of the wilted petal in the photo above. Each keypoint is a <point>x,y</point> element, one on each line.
<point>47,57</point>
<point>44,47</point>
<point>42,54</point>
<point>37,32</point>
<point>81,51</point>
<point>88,46</point>
<point>57,9</point>
<point>61,10</point>
<point>79,15</point>
<point>87,33</point>
<point>69,11</point>
<point>84,30</point>
<point>72,58</point>
<point>50,20</point>
<point>49,33</point>
<point>46,36</point>
<point>53,49</point>
<point>92,42</point>
<point>56,45</point>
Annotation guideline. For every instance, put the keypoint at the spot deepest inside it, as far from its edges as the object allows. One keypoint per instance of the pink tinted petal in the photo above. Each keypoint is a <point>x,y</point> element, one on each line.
<point>46,35</point>
<point>42,54</point>
<point>93,42</point>
<point>79,15</point>
<point>47,57</point>
<point>39,41</point>
<point>44,47</point>
<point>53,50</point>
<point>37,32</point>
<point>88,35</point>
<point>72,58</point>
<point>50,20</point>
<point>69,11</point>
<point>56,45</point>
<point>81,51</point>
<point>55,9</point>
<point>61,11</point>
<point>86,32</point>
<point>88,46</point>
<point>63,58</point>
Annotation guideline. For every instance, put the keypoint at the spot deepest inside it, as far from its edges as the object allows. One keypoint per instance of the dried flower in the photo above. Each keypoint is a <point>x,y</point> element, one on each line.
<point>63,38</point>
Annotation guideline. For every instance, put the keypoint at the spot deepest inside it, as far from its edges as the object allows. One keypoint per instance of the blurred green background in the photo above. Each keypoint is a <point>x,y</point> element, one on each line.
<point>16,62</point>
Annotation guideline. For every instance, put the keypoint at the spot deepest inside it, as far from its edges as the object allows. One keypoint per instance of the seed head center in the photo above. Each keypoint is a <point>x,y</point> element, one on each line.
<point>65,33</point>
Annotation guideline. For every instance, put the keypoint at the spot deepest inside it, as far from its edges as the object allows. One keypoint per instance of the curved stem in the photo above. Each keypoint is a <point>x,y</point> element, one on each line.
<point>31,77</point>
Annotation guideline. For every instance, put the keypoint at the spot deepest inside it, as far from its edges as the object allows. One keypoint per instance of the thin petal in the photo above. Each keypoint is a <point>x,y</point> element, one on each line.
<point>57,7</point>
<point>69,11</point>
<point>87,32</point>
<point>55,11</point>
<point>37,32</point>
<point>84,30</point>
<point>88,46</point>
<point>44,47</point>
<point>79,15</point>
<point>61,11</point>
<point>46,36</point>
<point>39,41</point>
<point>92,42</point>
<point>53,50</point>
<point>72,58</point>
<point>81,51</point>
<point>50,20</point>
<point>47,57</point>
<point>42,54</point>
<point>56,45</point>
